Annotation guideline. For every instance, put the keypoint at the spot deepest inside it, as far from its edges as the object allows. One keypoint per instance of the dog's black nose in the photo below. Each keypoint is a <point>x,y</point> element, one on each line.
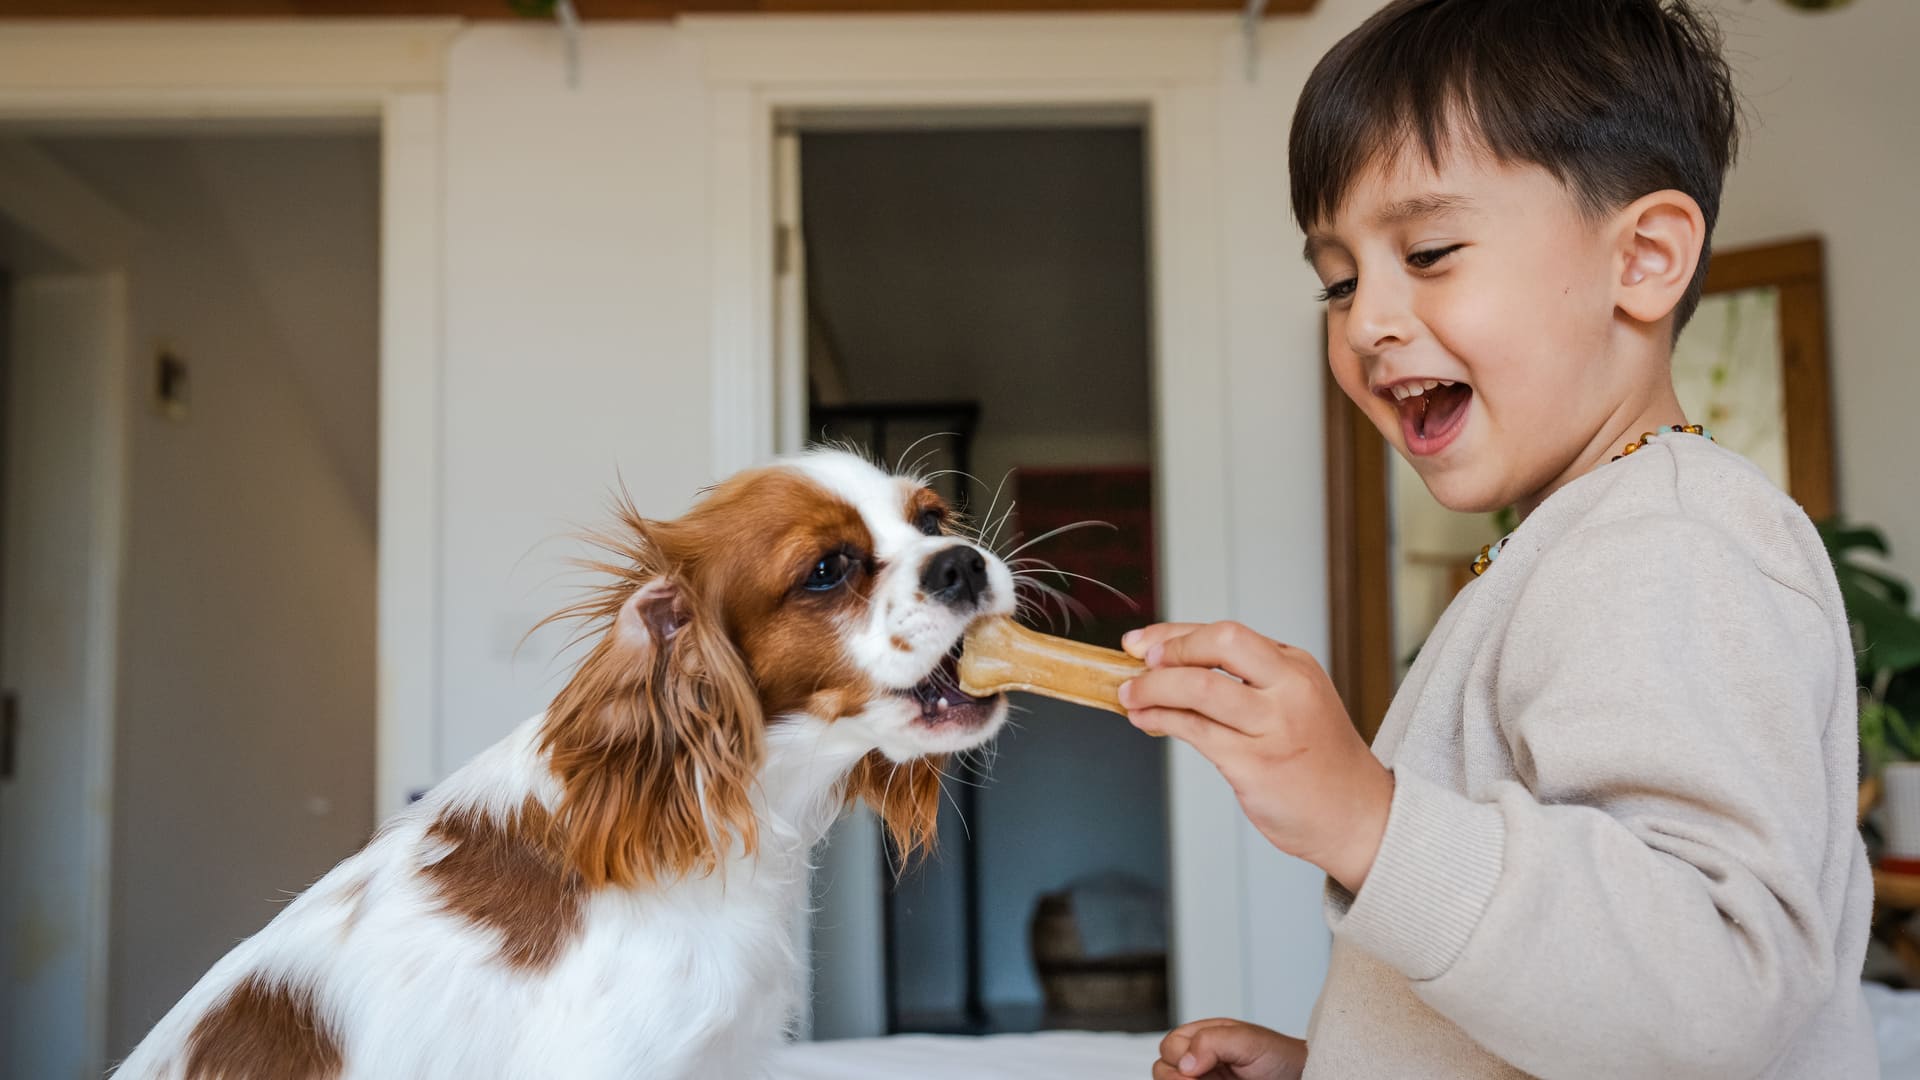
<point>956,576</point>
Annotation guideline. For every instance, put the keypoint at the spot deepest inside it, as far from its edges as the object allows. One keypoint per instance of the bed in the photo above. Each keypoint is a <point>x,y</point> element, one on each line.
<point>1047,1055</point>
<point>1080,1055</point>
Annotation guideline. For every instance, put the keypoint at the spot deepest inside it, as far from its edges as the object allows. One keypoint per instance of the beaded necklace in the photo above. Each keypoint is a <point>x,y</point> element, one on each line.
<point>1492,551</point>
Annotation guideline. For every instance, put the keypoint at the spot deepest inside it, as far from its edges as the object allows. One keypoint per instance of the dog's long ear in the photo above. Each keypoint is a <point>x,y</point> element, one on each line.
<point>906,796</point>
<point>657,741</point>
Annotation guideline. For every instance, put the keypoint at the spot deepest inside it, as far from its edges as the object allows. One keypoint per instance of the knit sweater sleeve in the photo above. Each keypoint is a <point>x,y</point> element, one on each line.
<point>1644,901</point>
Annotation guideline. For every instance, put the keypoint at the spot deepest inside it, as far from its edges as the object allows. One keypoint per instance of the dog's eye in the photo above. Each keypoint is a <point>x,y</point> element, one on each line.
<point>929,522</point>
<point>829,572</point>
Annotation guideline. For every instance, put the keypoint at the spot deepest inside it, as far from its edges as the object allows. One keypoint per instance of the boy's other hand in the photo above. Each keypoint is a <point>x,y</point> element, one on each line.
<point>1221,1049</point>
<point>1267,716</point>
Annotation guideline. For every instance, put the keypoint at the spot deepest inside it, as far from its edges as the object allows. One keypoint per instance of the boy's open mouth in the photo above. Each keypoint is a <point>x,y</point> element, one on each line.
<point>1431,411</point>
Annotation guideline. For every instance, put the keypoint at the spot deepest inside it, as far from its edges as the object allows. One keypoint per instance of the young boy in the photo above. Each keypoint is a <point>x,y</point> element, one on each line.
<point>1607,828</point>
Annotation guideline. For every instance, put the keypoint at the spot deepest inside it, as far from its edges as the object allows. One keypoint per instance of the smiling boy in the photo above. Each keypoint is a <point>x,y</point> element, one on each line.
<point>1607,827</point>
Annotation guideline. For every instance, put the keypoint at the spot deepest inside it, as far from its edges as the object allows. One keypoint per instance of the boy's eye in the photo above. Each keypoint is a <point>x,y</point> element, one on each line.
<point>1339,290</point>
<point>1425,260</point>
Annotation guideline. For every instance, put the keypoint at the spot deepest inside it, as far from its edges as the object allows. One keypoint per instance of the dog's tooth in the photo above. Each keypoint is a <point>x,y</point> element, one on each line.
<point>943,703</point>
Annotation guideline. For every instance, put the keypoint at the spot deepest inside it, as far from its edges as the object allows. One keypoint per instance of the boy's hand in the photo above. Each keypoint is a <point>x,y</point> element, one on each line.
<point>1269,719</point>
<point>1229,1050</point>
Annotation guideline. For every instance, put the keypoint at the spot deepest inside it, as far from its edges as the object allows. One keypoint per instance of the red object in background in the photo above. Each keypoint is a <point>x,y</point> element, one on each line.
<point>1049,498</point>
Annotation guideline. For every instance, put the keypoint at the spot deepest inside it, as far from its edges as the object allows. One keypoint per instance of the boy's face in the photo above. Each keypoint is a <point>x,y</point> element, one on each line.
<point>1470,315</point>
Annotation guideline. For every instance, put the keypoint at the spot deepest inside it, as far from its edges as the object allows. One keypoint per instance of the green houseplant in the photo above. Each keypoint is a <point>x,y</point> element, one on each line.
<point>1886,638</point>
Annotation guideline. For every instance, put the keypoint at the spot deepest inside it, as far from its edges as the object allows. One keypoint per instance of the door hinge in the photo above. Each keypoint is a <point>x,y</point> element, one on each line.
<point>782,250</point>
<point>9,725</point>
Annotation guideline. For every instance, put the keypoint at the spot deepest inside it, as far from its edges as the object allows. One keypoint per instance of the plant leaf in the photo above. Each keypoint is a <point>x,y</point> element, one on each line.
<point>1895,590</point>
<point>1901,738</point>
<point>1889,633</point>
<point>1841,537</point>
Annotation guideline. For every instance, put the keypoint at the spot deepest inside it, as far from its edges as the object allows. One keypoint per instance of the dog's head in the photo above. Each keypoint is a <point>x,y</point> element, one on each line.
<point>818,592</point>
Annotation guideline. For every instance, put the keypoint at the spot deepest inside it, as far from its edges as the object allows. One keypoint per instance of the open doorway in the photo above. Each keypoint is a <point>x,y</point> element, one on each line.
<point>978,291</point>
<point>198,524</point>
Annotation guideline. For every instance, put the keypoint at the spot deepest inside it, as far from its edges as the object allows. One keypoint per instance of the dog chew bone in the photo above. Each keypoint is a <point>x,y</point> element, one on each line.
<point>999,654</point>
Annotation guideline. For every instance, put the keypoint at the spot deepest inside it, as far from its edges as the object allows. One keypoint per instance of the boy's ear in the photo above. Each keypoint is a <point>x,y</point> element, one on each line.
<point>1661,237</point>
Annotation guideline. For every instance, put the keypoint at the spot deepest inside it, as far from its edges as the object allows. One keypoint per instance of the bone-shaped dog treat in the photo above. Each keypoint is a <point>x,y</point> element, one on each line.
<point>1000,654</point>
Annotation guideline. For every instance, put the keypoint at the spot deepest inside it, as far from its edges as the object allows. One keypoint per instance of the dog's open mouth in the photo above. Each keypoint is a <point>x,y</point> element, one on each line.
<point>940,698</point>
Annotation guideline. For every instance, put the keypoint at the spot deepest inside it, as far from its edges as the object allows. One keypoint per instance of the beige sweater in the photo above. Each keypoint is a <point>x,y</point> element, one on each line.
<point>1622,841</point>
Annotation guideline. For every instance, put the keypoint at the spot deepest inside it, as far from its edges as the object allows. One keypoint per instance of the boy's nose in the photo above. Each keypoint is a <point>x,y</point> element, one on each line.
<point>1378,320</point>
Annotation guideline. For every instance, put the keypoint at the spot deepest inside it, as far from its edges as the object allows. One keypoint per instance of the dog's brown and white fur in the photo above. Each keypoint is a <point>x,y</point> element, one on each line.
<point>609,892</point>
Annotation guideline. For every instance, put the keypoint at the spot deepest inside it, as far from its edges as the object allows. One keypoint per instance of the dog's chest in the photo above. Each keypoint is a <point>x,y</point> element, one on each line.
<point>668,986</point>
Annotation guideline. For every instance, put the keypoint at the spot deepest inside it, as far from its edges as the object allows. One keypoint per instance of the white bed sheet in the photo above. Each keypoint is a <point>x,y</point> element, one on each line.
<point>1896,1026</point>
<point>1080,1055</point>
<point>1048,1055</point>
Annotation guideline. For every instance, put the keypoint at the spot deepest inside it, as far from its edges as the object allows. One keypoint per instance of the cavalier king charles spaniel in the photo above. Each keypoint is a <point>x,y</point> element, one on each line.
<point>611,891</point>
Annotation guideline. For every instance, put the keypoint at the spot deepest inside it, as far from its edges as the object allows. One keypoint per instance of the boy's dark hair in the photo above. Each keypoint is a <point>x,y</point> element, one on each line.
<point>1616,98</point>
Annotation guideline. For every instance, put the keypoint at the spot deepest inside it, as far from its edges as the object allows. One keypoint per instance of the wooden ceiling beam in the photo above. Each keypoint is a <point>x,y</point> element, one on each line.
<point>597,9</point>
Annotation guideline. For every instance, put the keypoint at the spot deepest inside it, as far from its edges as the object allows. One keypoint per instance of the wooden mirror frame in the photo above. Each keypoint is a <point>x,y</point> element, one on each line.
<point>1359,555</point>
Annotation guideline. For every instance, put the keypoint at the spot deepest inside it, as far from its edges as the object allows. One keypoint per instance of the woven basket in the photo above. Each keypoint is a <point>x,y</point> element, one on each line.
<point>1071,983</point>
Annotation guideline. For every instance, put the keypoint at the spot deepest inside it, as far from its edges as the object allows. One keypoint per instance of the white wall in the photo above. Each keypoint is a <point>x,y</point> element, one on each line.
<point>576,335</point>
<point>1833,147</point>
<point>243,750</point>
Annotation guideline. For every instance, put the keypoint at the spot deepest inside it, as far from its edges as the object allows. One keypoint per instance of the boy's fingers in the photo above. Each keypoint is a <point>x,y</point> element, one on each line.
<point>1226,701</point>
<point>1245,1044</point>
<point>1250,657</point>
<point>1174,1047</point>
<point>1138,642</point>
<point>1189,727</point>
<point>1186,1030</point>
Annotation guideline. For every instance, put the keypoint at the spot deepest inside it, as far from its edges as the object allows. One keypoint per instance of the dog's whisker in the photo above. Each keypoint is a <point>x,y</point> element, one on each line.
<point>944,775</point>
<point>987,518</point>
<point>1005,517</point>
<point>1062,530</point>
<point>910,448</point>
<point>1095,582</point>
<point>1068,605</point>
<point>958,813</point>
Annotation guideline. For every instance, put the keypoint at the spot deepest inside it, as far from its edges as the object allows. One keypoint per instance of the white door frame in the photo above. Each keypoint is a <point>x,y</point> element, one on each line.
<point>391,72</point>
<point>1166,71</point>
<point>76,385</point>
